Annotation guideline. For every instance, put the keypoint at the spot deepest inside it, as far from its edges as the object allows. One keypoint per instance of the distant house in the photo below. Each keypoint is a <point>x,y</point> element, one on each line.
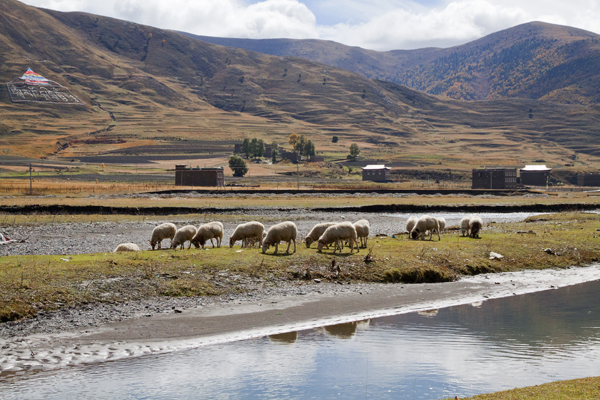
<point>495,178</point>
<point>376,173</point>
<point>535,175</point>
<point>588,179</point>
<point>289,155</point>
<point>207,177</point>
<point>316,158</point>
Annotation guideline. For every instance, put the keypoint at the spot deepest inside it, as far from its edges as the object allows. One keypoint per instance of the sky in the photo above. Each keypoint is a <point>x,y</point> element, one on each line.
<point>373,24</point>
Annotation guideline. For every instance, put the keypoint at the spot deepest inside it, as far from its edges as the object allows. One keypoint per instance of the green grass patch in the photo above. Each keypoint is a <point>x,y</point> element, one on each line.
<point>586,388</point>
<point>29,284</point>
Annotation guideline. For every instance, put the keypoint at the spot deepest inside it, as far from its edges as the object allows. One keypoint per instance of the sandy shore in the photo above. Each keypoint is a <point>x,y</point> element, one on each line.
<point>295,308</point>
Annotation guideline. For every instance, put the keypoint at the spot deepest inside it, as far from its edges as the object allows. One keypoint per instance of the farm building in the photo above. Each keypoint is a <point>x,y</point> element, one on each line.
<point>376,173</point>
<point>495,178</point>
<point>185,176</point>
<point>588,179</point>
<point>535,175</point>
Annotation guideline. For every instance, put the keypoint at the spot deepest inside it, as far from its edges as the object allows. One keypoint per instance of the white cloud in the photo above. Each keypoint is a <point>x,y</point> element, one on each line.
<point>376,24</point>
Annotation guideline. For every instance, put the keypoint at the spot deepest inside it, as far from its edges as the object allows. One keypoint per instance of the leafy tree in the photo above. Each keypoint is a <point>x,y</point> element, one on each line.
<point>309,149</point>
<point>293,140</point>
<point>246,147</point>
<point>334,139</point>
<point>354,150</point>
<point>274,150</point>
<point>238,165</point>
<point>300,144</point>
<point>260,148</point>
<point>253,147</point>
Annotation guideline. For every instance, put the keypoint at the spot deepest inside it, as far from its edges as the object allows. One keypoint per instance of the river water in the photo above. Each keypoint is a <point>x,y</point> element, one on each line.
<point>457,351</point>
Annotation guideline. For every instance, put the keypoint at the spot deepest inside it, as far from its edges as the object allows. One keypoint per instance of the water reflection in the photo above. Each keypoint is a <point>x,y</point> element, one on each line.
<point>458,351</point>
<point>284,338</point>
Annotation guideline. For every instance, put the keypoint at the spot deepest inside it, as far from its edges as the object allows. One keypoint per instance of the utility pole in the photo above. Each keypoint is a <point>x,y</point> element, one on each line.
<point>298,174</point>
<point>30,181</point>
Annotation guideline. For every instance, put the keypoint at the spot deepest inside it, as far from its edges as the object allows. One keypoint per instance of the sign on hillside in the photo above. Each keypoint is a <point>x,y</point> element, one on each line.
<point>33,87</point>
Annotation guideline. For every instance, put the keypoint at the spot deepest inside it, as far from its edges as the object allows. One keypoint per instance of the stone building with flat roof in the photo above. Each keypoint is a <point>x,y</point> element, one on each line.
<point>376,173</point>
<point>207,177</point>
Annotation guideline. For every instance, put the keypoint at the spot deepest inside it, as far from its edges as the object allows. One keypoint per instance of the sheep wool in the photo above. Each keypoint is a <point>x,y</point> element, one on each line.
<point>126,247</point>
<point>161,232</point>
<point>249,231</point>
<point>362,231</point>
<point>316,232</point>
<point>283,232</point>
<point>337,234</point>
<point>211,230</point>
<point>183,235</point>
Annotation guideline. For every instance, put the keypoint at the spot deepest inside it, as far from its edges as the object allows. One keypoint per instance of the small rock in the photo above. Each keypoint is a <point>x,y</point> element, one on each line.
<point>318,280</point>
<point>549,251</point>
<point>495,256</point>
<point>177,311</point>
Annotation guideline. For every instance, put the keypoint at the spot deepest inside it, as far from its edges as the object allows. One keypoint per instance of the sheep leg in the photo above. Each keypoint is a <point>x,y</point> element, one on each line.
<point>294,245</point>
<point>276,247</point>
<point>288,248</point>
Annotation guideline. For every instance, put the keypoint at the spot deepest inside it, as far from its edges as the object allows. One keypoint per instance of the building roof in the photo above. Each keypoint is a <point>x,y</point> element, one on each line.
<point>381,166</point>
<point>536,168</point>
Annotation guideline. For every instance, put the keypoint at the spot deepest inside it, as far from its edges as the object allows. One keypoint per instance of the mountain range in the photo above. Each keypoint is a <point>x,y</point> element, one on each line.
<point>148,87</point>
<point>535,60</point>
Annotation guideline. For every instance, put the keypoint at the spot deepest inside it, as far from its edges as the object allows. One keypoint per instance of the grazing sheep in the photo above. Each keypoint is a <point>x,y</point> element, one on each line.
<point>162,231</point>
<point>183,235</point>
<point>211,230</point>
<point>245,232</point>
<point>126,247</point>
<point>316,232</point>
<point>337,234</point>
<point>442,222</point>
<point>362,232</point>
<point>283,232</point>
<point>475,225</point>
<point>424,224</point>
<point>464,225</point>
<point>410,224</point>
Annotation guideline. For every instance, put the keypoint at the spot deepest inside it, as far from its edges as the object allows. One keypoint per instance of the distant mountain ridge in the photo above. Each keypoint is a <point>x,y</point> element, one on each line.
<point>534,60</point>
<point>144,86</point>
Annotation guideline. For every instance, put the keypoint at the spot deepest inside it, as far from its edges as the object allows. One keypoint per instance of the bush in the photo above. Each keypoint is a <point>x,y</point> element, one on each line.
<point>238,166</point>
<point>334,139</point>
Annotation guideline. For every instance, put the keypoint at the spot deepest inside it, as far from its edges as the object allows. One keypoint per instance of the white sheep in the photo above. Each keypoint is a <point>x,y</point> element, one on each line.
<point>161,232</point>
<point>282,232</point>
<point>464,225</point>
<point>337,234</point>
<point>316,232</point>
<point>126,247</point>
<point>211,230</point>
<point>249,231</point>
<point>410,224</point>
<point>425,223</point>
<point>183,235</point>
<point>362,231</point>
<point>442,223</point>
<point>475,225</point>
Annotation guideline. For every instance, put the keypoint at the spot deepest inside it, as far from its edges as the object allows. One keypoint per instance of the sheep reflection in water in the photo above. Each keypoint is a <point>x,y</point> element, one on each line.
<point>284,338</point>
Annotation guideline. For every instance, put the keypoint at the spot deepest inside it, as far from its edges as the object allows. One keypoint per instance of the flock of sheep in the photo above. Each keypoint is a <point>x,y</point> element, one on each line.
<point>324,234</point>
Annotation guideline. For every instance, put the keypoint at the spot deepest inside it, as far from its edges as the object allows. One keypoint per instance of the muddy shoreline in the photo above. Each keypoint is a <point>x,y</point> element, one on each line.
<point>154,326</point>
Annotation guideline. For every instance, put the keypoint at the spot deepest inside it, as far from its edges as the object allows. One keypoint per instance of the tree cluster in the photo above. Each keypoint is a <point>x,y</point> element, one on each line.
<point>254,148</point>
<point>302,145</point>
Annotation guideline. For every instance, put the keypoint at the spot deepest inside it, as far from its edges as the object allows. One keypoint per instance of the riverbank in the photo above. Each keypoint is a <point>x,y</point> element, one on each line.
<point>60,270</point>
<point>78,339</point>
<point>586,388</point>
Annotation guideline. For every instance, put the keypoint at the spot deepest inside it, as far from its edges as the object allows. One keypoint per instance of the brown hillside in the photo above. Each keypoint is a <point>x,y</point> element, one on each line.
<point>149,88</point>
<point>535,60</point>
